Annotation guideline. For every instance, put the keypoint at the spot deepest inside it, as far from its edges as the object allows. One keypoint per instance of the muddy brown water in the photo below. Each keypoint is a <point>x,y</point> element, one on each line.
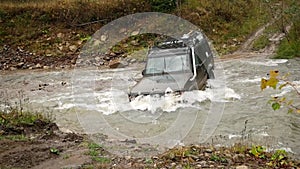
<point>232,109</point>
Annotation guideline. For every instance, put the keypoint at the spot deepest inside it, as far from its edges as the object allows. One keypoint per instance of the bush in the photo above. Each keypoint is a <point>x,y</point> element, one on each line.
<point>163,5</point>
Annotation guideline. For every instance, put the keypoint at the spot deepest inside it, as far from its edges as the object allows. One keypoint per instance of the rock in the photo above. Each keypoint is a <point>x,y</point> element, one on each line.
<point>134,43</point>
<point>238,157</point>
<point>242,167</point>
<point>132,60</point>
<point>127,157</point>
<point>60,35</point>
<point>203,163</point>
<point>12,68</point>
<point>133,141</point>
<point>96,43</point>
<point>112,54</point>
<point>73,48</point>
<point>124,63</point>
<point>79,42</point>
<point>46,67</point>
<point>117,64</point>
<point>103,38</point>
<point>21,64</point>
<point>122,30</point>
<point>206,154</point>
<point>107,58</point>
<point>60,48</point>
<point>134,33</point>
<point>48,54</point>
<point>97,59</point>
<point>208,151</point>
<point>114,64</point>
<point>37,66</point>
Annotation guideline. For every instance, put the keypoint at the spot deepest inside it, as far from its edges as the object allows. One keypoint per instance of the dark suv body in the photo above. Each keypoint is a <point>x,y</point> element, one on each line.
<point>176,66</point>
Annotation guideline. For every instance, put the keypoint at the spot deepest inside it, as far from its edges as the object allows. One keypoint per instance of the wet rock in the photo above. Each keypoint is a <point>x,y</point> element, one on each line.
<point>132,60</point>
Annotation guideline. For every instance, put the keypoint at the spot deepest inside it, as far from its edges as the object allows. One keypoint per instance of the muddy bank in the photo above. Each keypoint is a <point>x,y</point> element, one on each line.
<point>42,145</point>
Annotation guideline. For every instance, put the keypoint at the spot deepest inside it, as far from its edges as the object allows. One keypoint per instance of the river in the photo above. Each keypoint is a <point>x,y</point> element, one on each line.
<point>231,109</point>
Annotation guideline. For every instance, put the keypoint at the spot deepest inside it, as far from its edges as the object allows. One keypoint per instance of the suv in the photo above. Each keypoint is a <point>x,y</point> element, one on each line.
<point>176,66</point>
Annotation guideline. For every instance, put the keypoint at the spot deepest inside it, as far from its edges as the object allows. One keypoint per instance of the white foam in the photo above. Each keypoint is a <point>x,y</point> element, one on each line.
<point>256,80</point>
<point>268,62</point>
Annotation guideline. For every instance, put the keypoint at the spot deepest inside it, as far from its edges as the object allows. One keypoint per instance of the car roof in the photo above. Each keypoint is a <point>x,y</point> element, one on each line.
<point>158,52</point>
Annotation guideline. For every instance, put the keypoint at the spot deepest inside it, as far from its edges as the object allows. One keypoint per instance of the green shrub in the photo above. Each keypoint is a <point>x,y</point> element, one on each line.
<point>163,5</point>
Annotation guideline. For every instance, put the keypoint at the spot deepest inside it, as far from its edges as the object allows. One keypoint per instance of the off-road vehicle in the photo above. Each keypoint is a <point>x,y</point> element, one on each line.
<point>176,65</point>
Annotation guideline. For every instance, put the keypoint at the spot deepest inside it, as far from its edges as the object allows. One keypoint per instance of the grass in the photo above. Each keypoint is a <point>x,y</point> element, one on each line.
<point>16,118</point>
<point>36,23</point>
<point>290,45</point>
<point>224,22</point>
<point>261,43</point>
<point>20,137</point>
<point>96,152</point>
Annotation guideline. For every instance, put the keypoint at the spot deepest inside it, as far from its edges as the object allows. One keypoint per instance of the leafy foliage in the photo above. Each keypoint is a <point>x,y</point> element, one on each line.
<point>271,82</point>
<point>54,151</point>
<point>96,151</point>
<point>277,102</point>
<point>287,18</point>
<point>258,151</point>
<point>278,159</point>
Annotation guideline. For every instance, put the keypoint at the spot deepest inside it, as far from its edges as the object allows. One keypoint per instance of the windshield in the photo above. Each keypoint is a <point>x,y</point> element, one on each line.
<point>167,64</point>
